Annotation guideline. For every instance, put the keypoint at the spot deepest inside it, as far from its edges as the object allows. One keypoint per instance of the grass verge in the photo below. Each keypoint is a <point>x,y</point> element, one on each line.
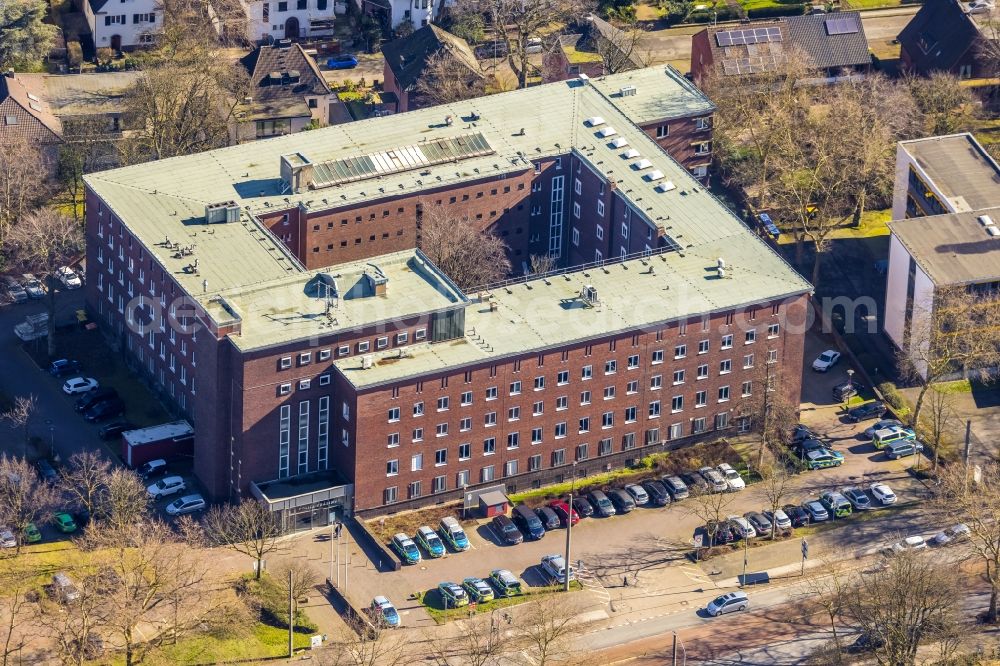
<point>433,604</point>
<point>262,642</point>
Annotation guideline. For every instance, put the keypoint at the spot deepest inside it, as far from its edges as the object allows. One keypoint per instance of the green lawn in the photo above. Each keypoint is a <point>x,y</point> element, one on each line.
<point>264,642</point>
<point>870,4</point>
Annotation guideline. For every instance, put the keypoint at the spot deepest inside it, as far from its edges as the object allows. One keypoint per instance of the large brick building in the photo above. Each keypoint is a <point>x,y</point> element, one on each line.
<point>272,290</point>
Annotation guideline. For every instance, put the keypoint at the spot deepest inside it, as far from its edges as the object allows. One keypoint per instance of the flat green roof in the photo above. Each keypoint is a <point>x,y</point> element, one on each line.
<point>242,263</point>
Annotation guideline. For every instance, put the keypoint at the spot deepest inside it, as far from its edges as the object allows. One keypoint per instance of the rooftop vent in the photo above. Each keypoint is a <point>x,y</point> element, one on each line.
<point>631,153</point>
<point>367,361</point>
<point>628,91</point>
<point>584,79</point>
<point>993,230</point>
<point>605,132</point>
<point>589,294</point>
<point>985,220</point>
<point>666,186</point>
<point>219,213</point>
<point>594,121</point>
<point>654,175</point>
<point>643,164</point>
<point>619,142</point>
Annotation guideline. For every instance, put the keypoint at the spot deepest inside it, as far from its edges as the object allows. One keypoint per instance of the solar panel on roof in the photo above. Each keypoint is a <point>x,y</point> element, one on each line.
<point>438,151</point>
<point>841,25</point>
<point>747,36</point>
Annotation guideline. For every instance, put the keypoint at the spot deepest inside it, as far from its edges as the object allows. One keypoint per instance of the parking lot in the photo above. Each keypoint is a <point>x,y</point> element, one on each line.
<point>609,547</point>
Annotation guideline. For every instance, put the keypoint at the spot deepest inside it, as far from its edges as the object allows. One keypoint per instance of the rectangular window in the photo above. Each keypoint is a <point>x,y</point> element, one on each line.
<point>465,424</point>
<point>662,131</point>
<point>393,414</point>
<point>628,441</point>
<point>343,350</point>
<point>632,387</point>
<point>489,446</point>
<point>727,341</point>
<point>418,434</point>
<point>750,336</point>
<point>584,425</point>
<point>678,377</point>
<point>490,419</point>
<point>362,347</point>
<point>654,409</point>
<point>284,439</point>
<point>677,404</point>
<point>585,398</point>
<point>401,338</point>
<point>609,392</point>
<point>563,377</point>
<point>466,399</point>
<point>392,440</point>
<point>537,409</point>
<point>286,362</point>
<point>515,388</point>
<point>657,356</point>
<point>390,495</point>
<point>582,452</point>
<point>560,430</point>
<point>772,355</point>
<point>703,347</point>
<point>416,462</point>
<point>747,389</point>
<point>698,425</point>
<point>539,383</point>
<point>723,393</point>
<point>491,393</point>
<point>607,420</point>
<point>439,485</point>
<point>442,429</point>
<point>420,334</point>
<point>535,463</point>
<point>701,398</point>
<point>392,468</point>
<point>558,457</point>
<point>562,402</point>
<point>510,468</point>
<point>610,367</point>
<point>464,451</point>
<point>487,474</point>
<point>418,409</point>
<point>680,351</point>
<point>536,435</point>
<point>748,361</point>
<point>725,367</point>
<point>652,436</point>
<point>513,440</point>
<point>304,358</point>
<point>772,331</point>
<point>630,414</point>
<point>722,420</point>
<point>604,447</point>
<point>283,389</point>
<point>587,372</point>
<point>462,478</point>
<point>702,371</point>
<point>676,431</point>
<point>655,382</point>
<point>633,362</point>
<point>514,414</point>
<point>441,457</point>
<point>442,404</point>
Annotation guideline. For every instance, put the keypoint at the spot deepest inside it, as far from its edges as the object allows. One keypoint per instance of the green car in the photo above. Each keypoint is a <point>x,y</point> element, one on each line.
<point>821,458</point>
<point>452,595</point>
<point>31,534</point>
<point>478,589</point>
<point>64,522</point>
<point>836,504</point>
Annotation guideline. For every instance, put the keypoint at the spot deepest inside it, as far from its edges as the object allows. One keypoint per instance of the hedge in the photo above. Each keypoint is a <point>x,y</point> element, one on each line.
<point>770,12</point>
<point>722,14</point>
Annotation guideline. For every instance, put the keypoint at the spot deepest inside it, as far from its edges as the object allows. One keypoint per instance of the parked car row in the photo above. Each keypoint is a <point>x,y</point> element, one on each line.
<point>830,505</point>
<point>29,287</point>
<point>433,543</point>
<point>889,435</point>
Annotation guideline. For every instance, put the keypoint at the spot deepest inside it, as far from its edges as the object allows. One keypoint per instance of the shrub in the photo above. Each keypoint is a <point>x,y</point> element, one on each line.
<point>892,396</point>
<point>104,55</point>
<point>266,595</point>
<point>722,14</point>
<point>74,54</point>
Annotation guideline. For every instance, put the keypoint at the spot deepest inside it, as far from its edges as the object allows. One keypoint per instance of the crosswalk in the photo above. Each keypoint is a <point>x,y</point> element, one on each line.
<point>696,574</point>
<point>590,582</point>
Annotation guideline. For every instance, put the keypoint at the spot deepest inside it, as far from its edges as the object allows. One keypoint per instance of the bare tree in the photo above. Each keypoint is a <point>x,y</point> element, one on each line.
<point>124,501</point>
<point>711,508</point>
<point>543,263</point>
<point>43,241</point>
<point>978,507</point>
<point>24,497</point>
<point>829,590</point>
<point>940,420</point>
<point>621,48</point>
<point>776,487</point>
<point>84,479</point>
<point>14,631</point>
<point>902,604</point>
<point>768,404</point>
<point>248,527</point>
<point>23,181</point>
<point>545,629</point>
<point>468,255</point>
<point>20,416</point>
<point>448,77</point>
<point>956,334</point>
<point>149,577</point>
<point>87,146</point>
<point>297,576</point>
<point>480,643</point>
<point>359,646</point>
<point>516,22</point>
<point>74,628</point>
<point>944,101</point>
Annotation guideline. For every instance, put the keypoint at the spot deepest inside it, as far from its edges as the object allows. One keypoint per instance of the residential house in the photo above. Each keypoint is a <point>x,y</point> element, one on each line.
<point>123,25</point>
<point>72,97</point>
<point>944,233</point>
<point>23,114</point>
<point>406,60</point>
<point>393,13</point>
<point>288,19</point>
<point>834,44</point>
<point>944,37</point>
<point>598,49</point>
<point>287,94</point>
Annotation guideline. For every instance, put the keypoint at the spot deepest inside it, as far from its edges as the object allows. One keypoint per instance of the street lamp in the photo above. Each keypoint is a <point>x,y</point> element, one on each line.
<point>569,526</point>
<point>850,381</point>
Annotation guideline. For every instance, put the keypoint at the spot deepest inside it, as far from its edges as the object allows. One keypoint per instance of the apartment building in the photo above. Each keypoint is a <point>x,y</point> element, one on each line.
<point>944,230</point>
<point>275,294</point>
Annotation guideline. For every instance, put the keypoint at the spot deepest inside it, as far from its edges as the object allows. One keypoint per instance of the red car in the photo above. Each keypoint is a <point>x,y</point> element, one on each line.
<point>562,510</point>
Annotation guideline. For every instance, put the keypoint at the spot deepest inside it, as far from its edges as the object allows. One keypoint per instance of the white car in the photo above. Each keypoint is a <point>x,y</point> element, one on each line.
<point>980,7</point>
<point>638,493</point>
<point>826,360</point>
<point>554,568</point>
<point>69,279</point>
<point>186,504</point>
<point>33,286</point>
<point>76,385</point>
<point>909,543</point>
<point>168,485</point>
<point>732,477</point>
<point>882,493</point>
<point>743,526</point>
<point>7,539</point>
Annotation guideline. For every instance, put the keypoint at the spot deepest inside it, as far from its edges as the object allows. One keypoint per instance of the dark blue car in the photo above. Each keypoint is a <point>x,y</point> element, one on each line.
<point>345,61</point>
